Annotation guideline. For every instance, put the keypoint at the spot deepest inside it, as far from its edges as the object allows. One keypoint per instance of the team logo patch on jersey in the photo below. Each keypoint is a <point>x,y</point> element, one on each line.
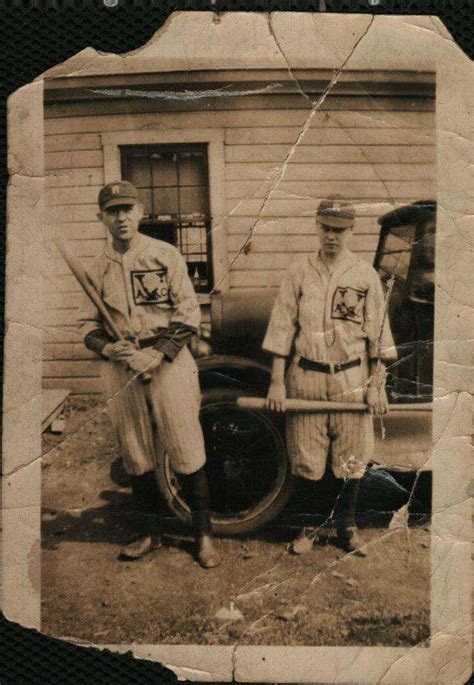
<point>348,303</point>
<point>150,287</point>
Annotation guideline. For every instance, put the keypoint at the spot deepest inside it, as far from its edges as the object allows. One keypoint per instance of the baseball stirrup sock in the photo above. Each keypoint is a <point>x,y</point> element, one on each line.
<point>196,491</point>
<point>147,495</point>
<point>346,505</point>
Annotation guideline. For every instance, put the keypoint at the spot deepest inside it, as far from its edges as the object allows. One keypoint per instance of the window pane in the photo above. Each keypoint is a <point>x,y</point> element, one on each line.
<point>396,258</point>
<point>138,171</point>
<point>192,169</point>
<point>145,198</point>
<point>164,168</point>
<point>405,232</point>
<point>192,242</point>
<point>194,200</point>
<point>160,231</point>
<point>165,201</point>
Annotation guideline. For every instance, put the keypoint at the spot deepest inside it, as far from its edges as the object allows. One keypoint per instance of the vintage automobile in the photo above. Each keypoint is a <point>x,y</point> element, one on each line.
<point>248,465</point>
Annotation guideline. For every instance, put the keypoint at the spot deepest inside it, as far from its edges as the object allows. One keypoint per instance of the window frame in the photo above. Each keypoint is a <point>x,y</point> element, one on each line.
<point>214,138</point>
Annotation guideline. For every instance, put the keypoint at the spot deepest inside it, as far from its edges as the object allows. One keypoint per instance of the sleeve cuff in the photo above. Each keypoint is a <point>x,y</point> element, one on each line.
<point>173,339</point>
<point>96,341</point>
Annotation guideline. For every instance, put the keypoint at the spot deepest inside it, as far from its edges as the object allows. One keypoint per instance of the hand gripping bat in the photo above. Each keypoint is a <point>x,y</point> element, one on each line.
<point>83,279</point>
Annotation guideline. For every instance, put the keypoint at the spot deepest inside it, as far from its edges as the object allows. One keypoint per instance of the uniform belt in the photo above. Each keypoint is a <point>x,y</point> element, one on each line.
<point>325,367</point>
<point>146,342</point>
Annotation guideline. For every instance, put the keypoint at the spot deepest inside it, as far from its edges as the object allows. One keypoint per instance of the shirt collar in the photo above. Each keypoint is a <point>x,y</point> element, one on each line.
<point>115,256</point>
<point>345,259</point>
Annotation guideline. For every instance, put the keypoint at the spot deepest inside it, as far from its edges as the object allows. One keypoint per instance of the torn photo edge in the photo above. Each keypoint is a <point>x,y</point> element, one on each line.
<point>408,42</point>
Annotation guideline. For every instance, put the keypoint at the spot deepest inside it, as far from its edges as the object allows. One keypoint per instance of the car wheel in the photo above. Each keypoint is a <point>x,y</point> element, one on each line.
<point>247,466</point>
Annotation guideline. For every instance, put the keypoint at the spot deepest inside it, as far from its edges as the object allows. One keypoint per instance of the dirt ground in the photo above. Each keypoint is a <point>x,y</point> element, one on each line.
<point>323,598</point>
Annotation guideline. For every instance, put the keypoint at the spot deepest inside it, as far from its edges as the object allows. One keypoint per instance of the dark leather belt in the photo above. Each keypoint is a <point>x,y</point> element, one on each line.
<point>146,342</point>
<point>324,367</point>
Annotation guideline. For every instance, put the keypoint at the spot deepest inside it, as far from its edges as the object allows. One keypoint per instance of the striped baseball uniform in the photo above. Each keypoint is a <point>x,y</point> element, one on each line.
<point>151,299</point>
<point>330,318</point>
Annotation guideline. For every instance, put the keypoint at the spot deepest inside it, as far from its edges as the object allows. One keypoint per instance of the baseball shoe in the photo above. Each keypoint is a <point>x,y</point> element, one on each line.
<point>138,548</point>
<point>303,543</point>
<point>207,555</point>
<point>350,541</point>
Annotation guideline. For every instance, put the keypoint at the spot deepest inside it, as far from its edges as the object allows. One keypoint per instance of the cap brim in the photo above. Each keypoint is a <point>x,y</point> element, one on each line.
<point>116,201</point>
<point>335,221</point>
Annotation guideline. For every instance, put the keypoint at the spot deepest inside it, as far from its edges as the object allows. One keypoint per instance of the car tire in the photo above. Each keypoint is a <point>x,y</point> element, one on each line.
<point>245,493</point>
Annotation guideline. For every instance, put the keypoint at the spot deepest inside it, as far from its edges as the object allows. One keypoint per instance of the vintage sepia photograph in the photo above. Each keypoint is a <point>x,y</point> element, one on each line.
<point>221,238</point>
<point>240,272</point>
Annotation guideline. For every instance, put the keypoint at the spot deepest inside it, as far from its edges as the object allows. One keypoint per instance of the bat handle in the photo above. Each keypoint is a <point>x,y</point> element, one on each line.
<point>145,378</point>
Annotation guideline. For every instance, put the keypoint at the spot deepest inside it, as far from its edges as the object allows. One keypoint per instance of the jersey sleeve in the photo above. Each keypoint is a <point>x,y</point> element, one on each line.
<point>186,315</point>
<point>380,342</point>
<point>283,322</point>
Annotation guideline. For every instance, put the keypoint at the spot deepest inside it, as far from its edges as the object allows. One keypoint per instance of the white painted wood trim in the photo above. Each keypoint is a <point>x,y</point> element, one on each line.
<point>160,136</point>
<point>111,143</point>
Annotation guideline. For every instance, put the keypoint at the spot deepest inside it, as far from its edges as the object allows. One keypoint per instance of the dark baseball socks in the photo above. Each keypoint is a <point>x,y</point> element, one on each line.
<point>196,491</point>
<point>345,518</point>
<point>149,510</point>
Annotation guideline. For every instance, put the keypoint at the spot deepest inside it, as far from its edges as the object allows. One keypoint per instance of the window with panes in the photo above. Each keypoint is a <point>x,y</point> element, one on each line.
<point>173,185</point>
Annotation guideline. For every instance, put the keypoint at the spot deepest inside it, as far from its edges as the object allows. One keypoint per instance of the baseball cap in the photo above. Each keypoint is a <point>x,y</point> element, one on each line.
<point>334,211</point>
<point>117,193</point>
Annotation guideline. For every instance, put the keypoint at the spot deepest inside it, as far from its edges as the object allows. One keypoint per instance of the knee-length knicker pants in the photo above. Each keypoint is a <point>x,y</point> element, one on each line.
<point>173,399</point>
<point>311,438</point>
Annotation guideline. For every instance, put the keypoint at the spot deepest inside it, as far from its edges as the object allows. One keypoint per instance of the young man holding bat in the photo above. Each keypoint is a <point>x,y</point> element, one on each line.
<point>330,316</point>
<point>149,374</point>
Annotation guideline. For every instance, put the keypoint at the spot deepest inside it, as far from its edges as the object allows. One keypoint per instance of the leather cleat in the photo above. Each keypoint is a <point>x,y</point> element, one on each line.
<point>138,548</point>
<point>303,543</point>
<point>207,555</point>
<point>350,541</point>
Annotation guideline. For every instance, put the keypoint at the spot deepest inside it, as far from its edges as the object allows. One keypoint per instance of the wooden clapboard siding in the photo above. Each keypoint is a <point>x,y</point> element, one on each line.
<point>299,243</point>
<point>378,151</point>
<point>94,123</point>
<point>66,352</point>
<point>78,141</point>
<point>72,178</point>
<point>352,190</point>
<point>71,368</point>
<point>87,195</point>
<point>317,154</point>
<point>76,159</point>
<point>88,385</point>
<point>344,171</point>
<point>85,231</point>
<point>73,213</point>
<point>277,135</point>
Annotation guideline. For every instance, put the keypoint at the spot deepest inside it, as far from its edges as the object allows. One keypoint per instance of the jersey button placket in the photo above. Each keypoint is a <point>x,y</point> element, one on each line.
<point>125,264</point>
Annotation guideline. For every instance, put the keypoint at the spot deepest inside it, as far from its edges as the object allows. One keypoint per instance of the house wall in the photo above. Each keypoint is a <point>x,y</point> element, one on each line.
<point>377,151</point>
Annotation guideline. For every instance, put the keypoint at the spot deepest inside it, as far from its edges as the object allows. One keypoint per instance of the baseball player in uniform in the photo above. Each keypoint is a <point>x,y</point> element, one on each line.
<point>329,317</point>
<point>146,287</point>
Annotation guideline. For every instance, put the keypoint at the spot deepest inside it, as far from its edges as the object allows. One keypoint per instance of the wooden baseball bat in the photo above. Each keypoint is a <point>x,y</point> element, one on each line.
<point>320,406</point>
<point>88,287</point>
<point>304,406</point>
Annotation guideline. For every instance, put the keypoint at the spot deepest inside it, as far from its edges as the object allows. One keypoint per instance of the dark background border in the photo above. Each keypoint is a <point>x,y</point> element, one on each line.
<point>34,36</point>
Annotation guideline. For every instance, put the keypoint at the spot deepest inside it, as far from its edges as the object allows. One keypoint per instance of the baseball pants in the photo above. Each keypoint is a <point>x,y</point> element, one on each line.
<point>172,399</point>
<point>311,438</point>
